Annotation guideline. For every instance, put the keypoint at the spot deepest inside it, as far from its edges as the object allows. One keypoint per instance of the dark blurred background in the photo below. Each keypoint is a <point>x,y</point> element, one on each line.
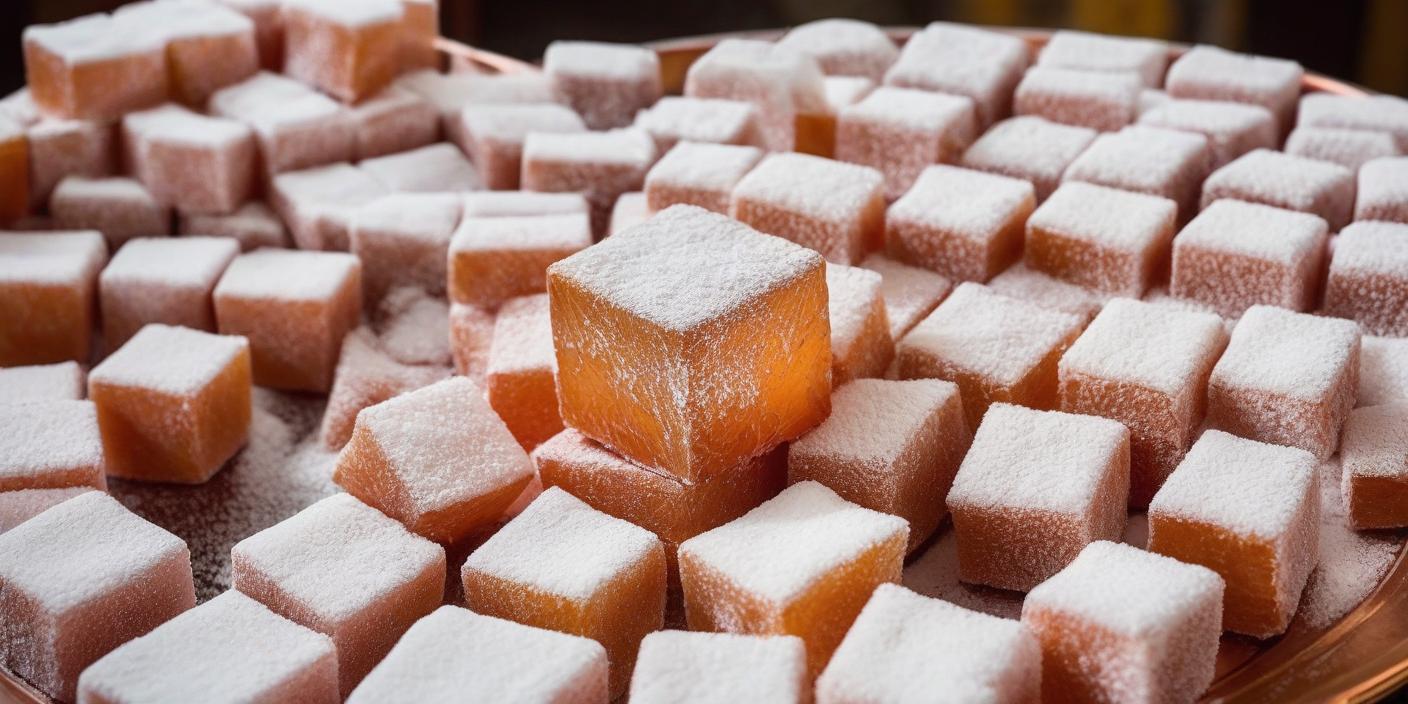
<point>1359,40</point>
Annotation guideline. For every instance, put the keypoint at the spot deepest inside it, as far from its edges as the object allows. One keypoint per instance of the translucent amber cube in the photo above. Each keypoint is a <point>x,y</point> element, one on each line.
<point>486,659</point>
<point>890,446</point>
<point>14,171</point>
<point>231,645</point>
<point>1034,490</point>
<point>861,346</point>
<point>803,564</point>
<point>348,49</point>
<point>173,404</point>
<point>437,459</point>
<point>344,569</point>
<point>493,259</point>
<point>1121,624</point>
<point>295,308</point>
<point>691,342</point>
<point>1250,512</point>
<point>50,444</point>
<point>1375,456</point>
<point>521,379</point>
<point>48,295</point>
<point>994,347</point>
<point>673,510</point>
<point>164,280</point>
<point>94,68</point>
<point>1146,366</point>
<point>565,566</point>
<point>81,579</point>
<point>836,208</point>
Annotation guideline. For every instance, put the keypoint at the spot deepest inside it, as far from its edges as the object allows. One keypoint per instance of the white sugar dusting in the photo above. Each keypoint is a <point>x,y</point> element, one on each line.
<point>172,360</point>
<point>1274,350</point>
<point>718,668</point>
<point>1145,344</point>
<point>64,381</point>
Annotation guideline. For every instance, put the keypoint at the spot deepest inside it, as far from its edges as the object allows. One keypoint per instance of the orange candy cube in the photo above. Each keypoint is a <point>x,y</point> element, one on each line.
<point>564,566</point>
<point>1375,456</point>
<point>599,165</point>
<point>437,459</point>
<point>994,347</point>
<point>1100,237</point>
<point>402,240</point>
<point>1250,512</point>
<point>671,509</point>
<point>1368,280</point>
<point>420,26</point>
<point>471,337</point>
<point>606,83</point>
<point>836,208</point>
<point>366,376</point>
<point>890,446</point>
<point>691,342</point>
<point>1121,624</point>
<point>493,259</point>
<point>14,171</point>
<point>208,46</point>
<point>295,308</point>
<point>910,293</point>
<point>50,444</point>
<point>343,569</point>
<point>94,68</point>
<point>48,291</point>
<point>1034,490</point>
<point>520,376</point>
<point>165,280</point>
<point>349,49</point>
<point>173,404</point>
<point>1146,366</point>
<point>697,173</point>
<point>803,564</point>
<point>961,223</point>
<point>860,331</point>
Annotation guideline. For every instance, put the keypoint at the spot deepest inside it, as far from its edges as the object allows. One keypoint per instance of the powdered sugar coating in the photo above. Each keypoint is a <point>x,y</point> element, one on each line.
<point>89,39</point>
<point>454,653</point>
<point>487,204</point>
<point>843,47</point>
<point>392,121</point>
<point>286,275</point>
<point>961,60</point>
<point>1044,460</point>
<point>1250,229</point>
<point>1383,370</point>
<point>297,127</point>
<point>185,262</point>
<point>686,266</point>
<point>121,208</point>
<point>1097,99</point>
<point>817,202</point>
<point>781,83</point>
<point>905,647</point>
<point>1285,181</point>
<point>83,549</point>
<point>708,668</point>
<point>1370,249</point>
<point>522,337</point>
<point>1129,591</point>
<point>67,258</point>
<point>675,118</point>
<point>1085,51</point>
<point>873,421</point>
<point>851,294</point>
<point>253,225</point>
<point>960,222</point>
<point>20,505</point>
<point>1106,217</point>
<point>438,168</point>
<point>1381,113</point>
<point>178,124</point>
<point>910,293</point>
<point>701,174</point>
<point>781,548</point>
<point>172,360</point>
<point>1254,489</point>
<point>606,83</point>
<point>900,131</point>
<point>1383,190</point>
<point>1144,344</point>
<point>50,443</point>
<point>366,375</point>
<point>1276,351</point>
<point>1368,279</point>
<point>563,547</point>
<point>1212,73</point>
<point>1025,283</point>
<point>64,381</point>
<point>1029,148</point>
<point>842,91</point>
<point>1348,148</point>
<point>232,648</point>
<point>402,239</point>
<point>1232,129</point>
<point>1150,160</point>
<point>335,557</point>
<point>628,146</point>
<point>351,13</point>
<point>988,334</point>
<point>1376,442</point>
<point>631,209</point>
<point>318,204</point>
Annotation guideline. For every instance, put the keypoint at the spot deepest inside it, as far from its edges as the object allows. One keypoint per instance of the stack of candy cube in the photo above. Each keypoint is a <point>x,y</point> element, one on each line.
<point>656,396</point>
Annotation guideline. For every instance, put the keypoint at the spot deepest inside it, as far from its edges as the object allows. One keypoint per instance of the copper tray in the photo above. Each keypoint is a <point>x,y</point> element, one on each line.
<point>1363,656</point>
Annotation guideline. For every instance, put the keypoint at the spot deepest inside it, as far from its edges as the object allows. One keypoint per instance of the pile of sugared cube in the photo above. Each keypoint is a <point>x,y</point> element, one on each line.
<point>668,389</point>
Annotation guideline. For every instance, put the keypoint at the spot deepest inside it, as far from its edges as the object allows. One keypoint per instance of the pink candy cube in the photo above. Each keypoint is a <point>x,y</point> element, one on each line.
<point>62,148</point>
<point>394,120</point>
<point>901,131</point>
<point>1099,100</point>
<point>1368,280</point>
<point>1232,129</point>
<point>1285,181</point>
<point>606,83</point>
<point>835,208</point>
<point>350,49</point>
<point>120,208</point>
<point>1031,149</point>
<point>1383,194</point>
<point>48,289</point>
<point>296,127</point>
<point>1212,73</point>
<point>208,46</point>
<point>194,163</point>
<point>81,579</point>
<point>162,280</point>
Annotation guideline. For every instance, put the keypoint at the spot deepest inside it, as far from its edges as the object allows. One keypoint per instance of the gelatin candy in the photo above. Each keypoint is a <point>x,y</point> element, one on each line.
<point>93,68</point>
<point>1152,160</point>
<point>195,163</point>
<point>861,345</point>
<point>782,84</point>
<point>676,119</point>
<point>1099,100</point>
<point>1086,51</point>
<point>393,121</point>
<point>165,280</point>
<point>493,259</point>
<point>1031,149</point>
<point>1285,181</point>
<point>520,377</point>
<point>1100,237</point>
<point>900,131</point>
<point>493,136</point>
<point>62,381</point>
<point>438,168</point>
<point>1382,194</point>
<point>253,225</point>
<point>697,173</point>
<point>604,83</point>
<point>1375,457</point>
<point>959,60</point>
<point>319,204</point>
<point>208,46</point>
<point>1369,277</point>
<point>48,295</point>
<point>50,444</point>
<point>347,48</point>
<point>1232,129</point>
<point>843,47</point>
<point>1213,73</point>
<point>121,208</point>
<point>910,293</point>
<point>838,209</point>
<point>367,375</point>
<point>964,224</point>
<point>296,126</point>
<point>684,666</point>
